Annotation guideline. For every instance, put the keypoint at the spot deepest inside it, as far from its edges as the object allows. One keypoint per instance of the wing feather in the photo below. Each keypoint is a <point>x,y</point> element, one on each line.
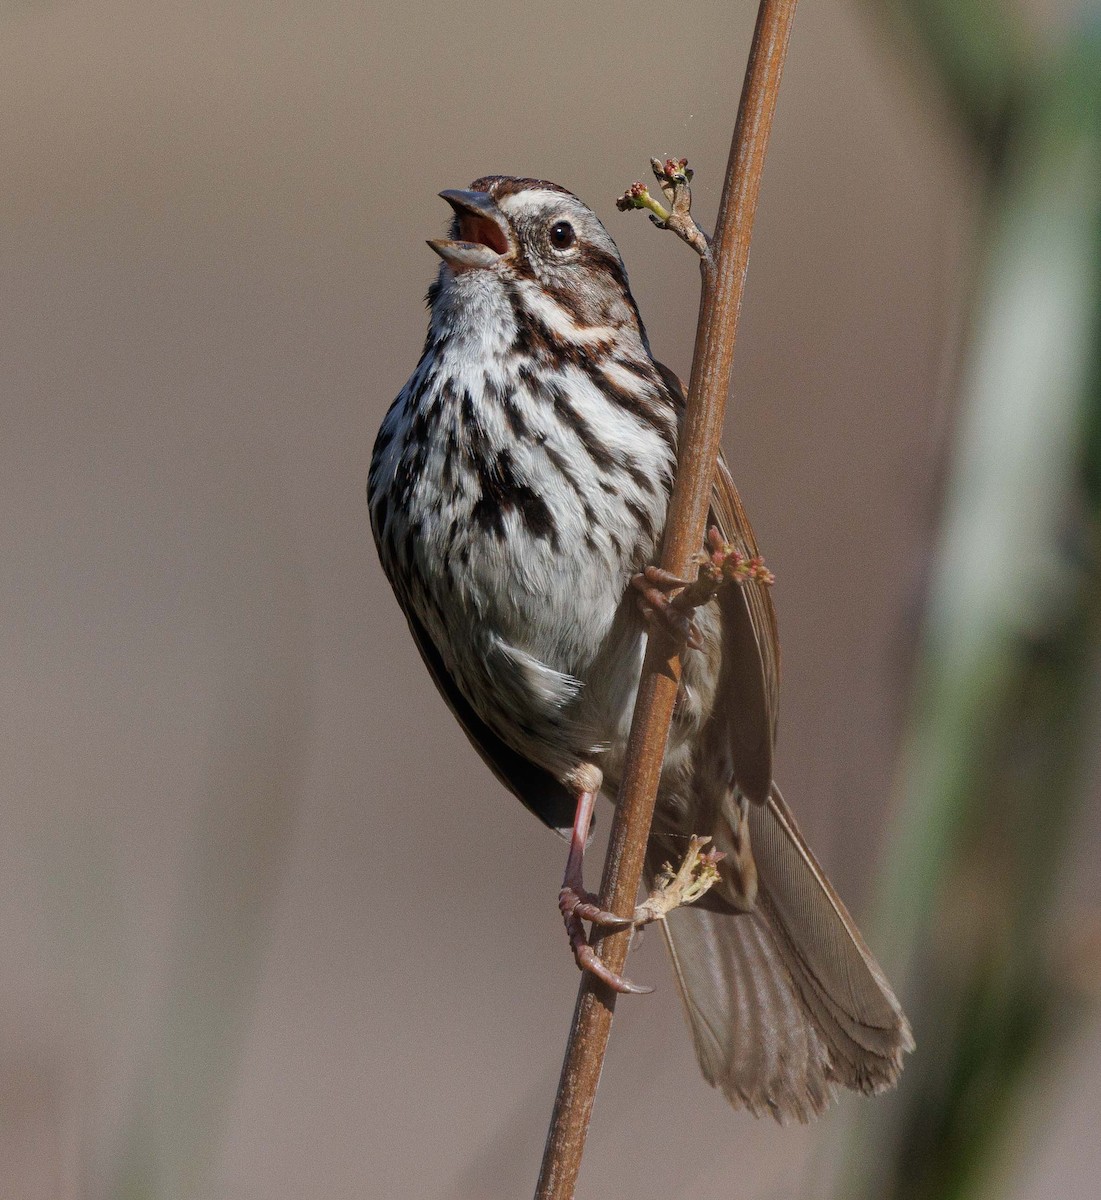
<point>750,681</point>
<point>745,717</point>
<point>537,789</point>
<point>785,1000</point>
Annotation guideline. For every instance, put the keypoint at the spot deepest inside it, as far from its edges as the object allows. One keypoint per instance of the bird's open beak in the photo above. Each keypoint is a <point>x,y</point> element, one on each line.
<point>483,230</point>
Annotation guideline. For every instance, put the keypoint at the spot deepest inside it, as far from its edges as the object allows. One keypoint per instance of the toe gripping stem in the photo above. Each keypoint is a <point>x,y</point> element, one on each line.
<point>673,887</point>
<point>669,600</point>
<point>578,905</point>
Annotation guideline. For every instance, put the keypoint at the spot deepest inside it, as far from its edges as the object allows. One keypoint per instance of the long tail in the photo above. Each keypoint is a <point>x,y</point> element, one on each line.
<point>786,1001</point>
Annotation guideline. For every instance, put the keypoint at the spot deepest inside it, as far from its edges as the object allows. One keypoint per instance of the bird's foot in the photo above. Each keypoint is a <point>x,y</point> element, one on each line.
<point>659,599</point>
<point>667,600</point>
<point>575,901</point>
<point>699,871</point>
<point>672,889</point>
<point>576,907</point>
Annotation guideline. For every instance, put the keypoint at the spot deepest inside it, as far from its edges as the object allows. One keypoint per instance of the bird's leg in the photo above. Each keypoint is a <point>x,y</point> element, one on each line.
<point>573,898</point>
<point>577,904</point>
<point>672,888</point>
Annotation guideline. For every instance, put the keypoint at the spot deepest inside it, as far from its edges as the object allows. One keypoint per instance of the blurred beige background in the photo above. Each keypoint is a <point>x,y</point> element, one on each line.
<point>269,928</point>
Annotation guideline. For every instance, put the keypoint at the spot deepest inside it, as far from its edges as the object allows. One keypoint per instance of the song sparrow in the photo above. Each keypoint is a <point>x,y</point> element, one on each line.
<point>519,484</point>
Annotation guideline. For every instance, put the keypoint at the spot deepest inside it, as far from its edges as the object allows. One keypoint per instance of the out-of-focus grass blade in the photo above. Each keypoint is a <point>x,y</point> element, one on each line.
<point>989,774</point>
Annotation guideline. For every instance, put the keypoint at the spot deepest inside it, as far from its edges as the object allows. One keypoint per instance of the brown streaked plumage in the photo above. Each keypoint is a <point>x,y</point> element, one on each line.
<point>519,484</point>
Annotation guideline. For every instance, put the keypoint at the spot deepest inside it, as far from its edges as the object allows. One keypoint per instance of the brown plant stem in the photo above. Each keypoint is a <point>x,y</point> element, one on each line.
<point>723,272</point>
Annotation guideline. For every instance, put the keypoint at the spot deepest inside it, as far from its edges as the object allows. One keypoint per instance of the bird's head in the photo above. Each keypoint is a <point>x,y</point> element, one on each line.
<point>539,244</point>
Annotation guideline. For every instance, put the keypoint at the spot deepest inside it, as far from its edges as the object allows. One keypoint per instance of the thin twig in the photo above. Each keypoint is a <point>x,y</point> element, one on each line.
<point>723,270</point>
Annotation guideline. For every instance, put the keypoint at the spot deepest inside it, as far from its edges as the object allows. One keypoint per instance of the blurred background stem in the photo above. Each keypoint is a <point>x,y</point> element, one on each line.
<point>990,780</point>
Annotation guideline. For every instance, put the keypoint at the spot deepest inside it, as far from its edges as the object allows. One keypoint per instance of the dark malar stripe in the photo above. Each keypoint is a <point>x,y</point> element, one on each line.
<point>535,340</point>
<point>529,341</point>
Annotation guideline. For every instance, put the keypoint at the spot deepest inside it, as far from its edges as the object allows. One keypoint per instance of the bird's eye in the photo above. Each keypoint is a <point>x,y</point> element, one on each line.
<point>562,235</point>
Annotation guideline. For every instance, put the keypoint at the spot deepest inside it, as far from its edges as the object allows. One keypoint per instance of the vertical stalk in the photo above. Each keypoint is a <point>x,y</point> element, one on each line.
<point>723,275</point>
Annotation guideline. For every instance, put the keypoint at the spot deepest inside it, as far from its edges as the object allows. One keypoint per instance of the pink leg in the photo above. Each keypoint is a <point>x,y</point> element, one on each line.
<point>576,904</point>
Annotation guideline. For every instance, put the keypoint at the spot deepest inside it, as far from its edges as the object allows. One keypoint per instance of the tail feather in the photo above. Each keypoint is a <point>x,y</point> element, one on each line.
<point>786,1001</point>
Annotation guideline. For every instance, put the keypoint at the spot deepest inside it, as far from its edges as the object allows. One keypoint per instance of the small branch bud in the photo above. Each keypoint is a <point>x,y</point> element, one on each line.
<point>730,564</point>
<point>674,176</point>
<point>638,196</point>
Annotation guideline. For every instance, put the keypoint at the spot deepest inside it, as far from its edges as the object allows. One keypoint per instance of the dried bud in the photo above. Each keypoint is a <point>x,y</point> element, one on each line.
<point>725,562</point>
<point>638,196</point>
<point>634,197</point>
<point>757,570</point>
<point>674,170</point>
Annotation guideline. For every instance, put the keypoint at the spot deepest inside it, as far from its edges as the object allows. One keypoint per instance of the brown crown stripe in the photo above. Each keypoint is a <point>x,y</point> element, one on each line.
<point>508,185</point>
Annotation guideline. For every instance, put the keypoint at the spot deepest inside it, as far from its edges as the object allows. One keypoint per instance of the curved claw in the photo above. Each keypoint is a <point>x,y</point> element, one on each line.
<point>574,903</point>
<point>586,958</point>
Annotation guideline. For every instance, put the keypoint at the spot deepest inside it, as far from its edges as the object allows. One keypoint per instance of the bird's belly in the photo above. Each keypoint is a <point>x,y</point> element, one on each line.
<point>556,599</point>
<point>541,631</point>
<point>516,551</point>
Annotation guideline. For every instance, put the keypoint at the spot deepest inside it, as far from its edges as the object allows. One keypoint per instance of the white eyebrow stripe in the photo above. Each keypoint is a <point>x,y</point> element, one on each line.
<point>536,200</point>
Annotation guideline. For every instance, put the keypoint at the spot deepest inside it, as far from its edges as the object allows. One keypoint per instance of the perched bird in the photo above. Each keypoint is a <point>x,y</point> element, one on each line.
<point>518,489</point>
